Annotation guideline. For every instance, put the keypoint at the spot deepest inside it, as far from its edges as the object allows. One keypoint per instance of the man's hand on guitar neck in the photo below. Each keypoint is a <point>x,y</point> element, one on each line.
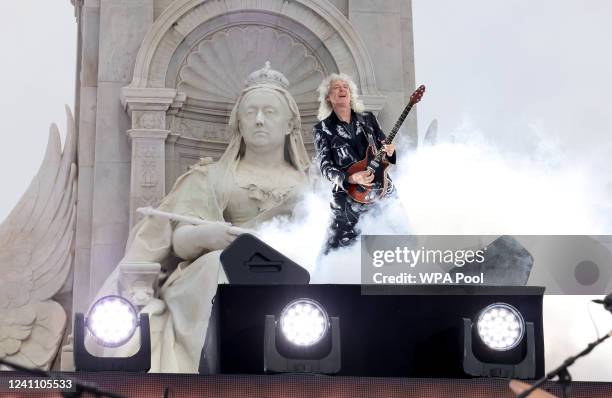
<point>389,149</point>
<point>364,178</point>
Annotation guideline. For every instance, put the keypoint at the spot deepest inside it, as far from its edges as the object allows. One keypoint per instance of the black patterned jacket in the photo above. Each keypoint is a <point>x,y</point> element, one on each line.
<point>339,144</point>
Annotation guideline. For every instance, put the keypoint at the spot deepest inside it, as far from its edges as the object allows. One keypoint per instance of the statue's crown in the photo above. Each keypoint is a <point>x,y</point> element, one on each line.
<point>267,75</point>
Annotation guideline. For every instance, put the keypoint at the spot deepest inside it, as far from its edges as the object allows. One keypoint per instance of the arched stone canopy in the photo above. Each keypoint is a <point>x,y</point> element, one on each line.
<point>199,48</point>
<point>216,66</point>
<point>211,65</point>
<point>316,18</point>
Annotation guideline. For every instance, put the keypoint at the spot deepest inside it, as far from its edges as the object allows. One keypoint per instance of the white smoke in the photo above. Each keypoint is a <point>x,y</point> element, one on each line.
<point>570,324</point>
<point>473,188</point>
<point>301,237</point>
<point>468,185</point>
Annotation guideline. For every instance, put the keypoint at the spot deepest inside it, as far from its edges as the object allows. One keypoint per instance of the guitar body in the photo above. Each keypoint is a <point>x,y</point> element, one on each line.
<point>367,195</point>
<point>377,163</point>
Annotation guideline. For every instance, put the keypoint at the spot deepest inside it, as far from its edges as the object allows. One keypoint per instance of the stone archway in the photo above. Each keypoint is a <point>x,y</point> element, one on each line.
<point>318,17</point>
<point>193,59</point>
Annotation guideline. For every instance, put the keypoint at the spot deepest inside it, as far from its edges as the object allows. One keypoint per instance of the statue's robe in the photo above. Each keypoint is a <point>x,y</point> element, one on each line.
<point>180,314</point>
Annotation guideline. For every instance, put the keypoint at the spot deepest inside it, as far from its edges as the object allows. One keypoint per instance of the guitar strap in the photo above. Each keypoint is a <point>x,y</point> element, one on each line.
<point>371,141</point>
<point>367,131</point>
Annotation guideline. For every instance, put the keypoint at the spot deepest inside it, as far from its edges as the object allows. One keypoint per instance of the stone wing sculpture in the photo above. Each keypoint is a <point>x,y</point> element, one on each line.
<point>431,136</point>
<point>36,251</point>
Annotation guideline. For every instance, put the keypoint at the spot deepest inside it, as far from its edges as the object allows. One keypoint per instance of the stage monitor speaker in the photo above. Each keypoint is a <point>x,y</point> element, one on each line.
<point>249,261</point>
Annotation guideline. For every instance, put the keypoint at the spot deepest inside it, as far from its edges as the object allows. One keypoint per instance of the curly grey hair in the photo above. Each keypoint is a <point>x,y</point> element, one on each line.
<point>325,108</point>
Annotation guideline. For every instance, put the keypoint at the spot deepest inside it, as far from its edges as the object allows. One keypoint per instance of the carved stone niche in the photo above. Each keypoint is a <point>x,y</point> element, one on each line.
<point>212,74</point>
<point>215,69</point>
<point>205,49</point>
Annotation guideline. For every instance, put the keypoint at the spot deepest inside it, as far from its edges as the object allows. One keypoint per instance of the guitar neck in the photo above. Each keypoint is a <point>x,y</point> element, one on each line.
<point>395,129</point>
<point>398,124</point>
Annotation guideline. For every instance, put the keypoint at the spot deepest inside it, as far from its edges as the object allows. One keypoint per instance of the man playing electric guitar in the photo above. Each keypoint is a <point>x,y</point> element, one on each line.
<point>342,138</point>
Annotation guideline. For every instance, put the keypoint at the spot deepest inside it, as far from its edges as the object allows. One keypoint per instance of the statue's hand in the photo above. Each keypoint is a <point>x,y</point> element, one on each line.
<point>190,241</point>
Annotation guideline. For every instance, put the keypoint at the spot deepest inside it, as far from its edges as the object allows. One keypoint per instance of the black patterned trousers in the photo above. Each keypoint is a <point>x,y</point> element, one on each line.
<point>343,229</point>
<point>345,216</point>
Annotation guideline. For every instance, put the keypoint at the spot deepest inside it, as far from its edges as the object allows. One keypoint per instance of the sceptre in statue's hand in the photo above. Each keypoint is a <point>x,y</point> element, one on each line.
<point>151,212</point>
<point>198,235</point>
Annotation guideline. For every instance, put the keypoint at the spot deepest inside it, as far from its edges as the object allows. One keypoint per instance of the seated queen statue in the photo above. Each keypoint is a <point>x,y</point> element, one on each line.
<point>260,175</point>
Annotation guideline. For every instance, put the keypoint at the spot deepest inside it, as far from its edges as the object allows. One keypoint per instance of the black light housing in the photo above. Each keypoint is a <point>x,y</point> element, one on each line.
<point>139,362</point>
<point>303,340</point>
<point>510,354</point>
<point>407,331</point>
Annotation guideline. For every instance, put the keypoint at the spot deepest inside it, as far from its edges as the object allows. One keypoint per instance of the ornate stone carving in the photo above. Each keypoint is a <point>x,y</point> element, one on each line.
<point>148,107</point>
<point>216,69</point>
<point>322,21</point>
<point>137,281</point>
<point>148,157</point>
<point>149,120</point>
<point>36,253</point>
<point>177,103</point>
<point>201,130</point>
<point>147,185</point>
<point>149,99</point>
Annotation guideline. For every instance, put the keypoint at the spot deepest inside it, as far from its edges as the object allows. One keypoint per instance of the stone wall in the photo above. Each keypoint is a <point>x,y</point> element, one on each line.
<point>111,32</point>
<point>386,29</point>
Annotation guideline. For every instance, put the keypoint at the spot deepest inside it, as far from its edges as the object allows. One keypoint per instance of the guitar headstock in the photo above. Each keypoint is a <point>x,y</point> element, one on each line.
<point>417,95</point>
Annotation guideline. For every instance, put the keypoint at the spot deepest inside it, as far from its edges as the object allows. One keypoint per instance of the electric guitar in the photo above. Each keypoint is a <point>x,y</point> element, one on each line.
<point>376,161</point>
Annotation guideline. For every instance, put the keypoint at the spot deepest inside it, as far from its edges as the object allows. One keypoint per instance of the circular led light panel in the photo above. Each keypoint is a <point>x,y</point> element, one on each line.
<point>500,326</point>
<point>112,320</point>
<point>304,322</point>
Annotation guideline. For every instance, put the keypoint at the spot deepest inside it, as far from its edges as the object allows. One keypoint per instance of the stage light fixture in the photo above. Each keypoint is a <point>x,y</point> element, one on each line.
<point>112,321</point>
<point>303,340</point>
<point>500,327</point>
<point>304,322</point>
<point>499,344</point>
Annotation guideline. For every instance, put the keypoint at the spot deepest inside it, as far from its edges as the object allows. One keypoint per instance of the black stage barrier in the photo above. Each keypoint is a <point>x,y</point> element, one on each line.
<point>297,386</point>
<point>400,332</point>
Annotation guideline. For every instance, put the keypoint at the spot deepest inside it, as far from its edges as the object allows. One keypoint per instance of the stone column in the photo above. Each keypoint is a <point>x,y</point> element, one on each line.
<point>87,88</point>
<point>87,13</point>
<point>123,25</point>
<point>389,22</point>
<point>147,108</point>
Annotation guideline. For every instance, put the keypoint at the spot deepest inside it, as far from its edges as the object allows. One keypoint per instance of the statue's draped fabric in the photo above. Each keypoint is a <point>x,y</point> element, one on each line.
<point>179,317</point>
<point>180,314</point>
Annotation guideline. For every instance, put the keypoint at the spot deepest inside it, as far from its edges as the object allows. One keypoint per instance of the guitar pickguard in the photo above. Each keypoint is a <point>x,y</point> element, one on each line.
<point>368,194</point>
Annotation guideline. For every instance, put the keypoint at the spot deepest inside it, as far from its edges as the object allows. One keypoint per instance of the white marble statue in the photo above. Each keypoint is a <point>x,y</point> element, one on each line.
<point>260,175</point>
<point>36,251</point>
